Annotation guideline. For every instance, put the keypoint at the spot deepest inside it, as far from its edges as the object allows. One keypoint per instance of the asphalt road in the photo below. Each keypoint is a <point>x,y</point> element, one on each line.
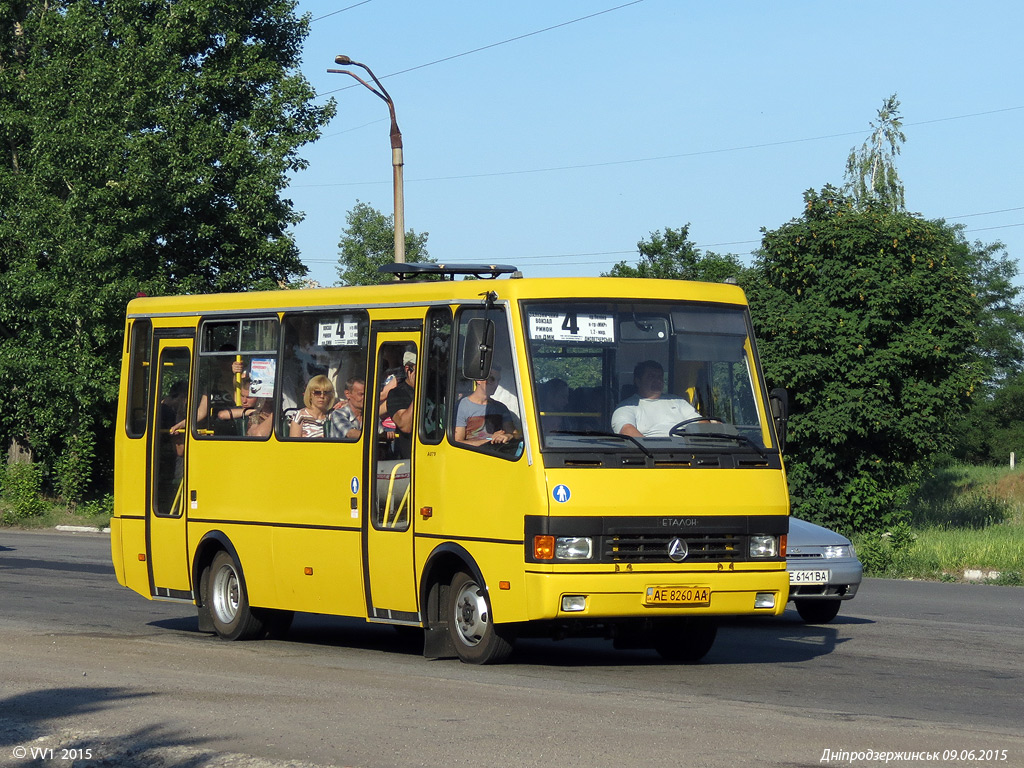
<point>100,676</point>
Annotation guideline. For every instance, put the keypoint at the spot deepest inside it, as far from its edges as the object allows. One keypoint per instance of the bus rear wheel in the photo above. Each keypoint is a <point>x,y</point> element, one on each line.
<point>224,594</point>
<point>476,638</point>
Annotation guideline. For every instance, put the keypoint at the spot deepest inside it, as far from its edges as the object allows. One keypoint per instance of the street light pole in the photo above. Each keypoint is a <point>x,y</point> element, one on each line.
<point>397,162</point>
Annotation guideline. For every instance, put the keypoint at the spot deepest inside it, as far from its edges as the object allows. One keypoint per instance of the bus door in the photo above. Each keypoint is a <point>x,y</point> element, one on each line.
<point>388,501</point>
<point>167,489</point>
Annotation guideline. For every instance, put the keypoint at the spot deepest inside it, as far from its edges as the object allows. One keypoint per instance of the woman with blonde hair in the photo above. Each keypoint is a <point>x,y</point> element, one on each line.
<point>319,398</point>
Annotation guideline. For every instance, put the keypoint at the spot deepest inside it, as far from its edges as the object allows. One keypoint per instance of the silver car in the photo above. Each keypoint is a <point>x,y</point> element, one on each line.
<point>823,570</point>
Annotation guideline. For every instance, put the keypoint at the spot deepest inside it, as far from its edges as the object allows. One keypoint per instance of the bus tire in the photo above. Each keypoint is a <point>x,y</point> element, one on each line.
<point>226,597</point>
<point>476,638</point>
<point>685,642</point>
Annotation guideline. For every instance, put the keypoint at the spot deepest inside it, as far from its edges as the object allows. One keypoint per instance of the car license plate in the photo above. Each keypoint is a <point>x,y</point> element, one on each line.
<point>809,577</point>
<point>678,596</point>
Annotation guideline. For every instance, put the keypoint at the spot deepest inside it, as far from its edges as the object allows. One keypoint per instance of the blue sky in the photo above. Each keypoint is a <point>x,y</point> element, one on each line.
<point>539,137</point>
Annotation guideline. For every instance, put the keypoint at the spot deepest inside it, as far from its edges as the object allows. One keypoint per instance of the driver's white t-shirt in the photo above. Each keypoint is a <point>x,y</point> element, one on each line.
<point>653,417</point>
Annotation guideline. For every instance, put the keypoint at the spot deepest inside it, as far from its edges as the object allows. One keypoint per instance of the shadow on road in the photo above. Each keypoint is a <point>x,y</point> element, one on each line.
<point>36,721</point>
<point>763,640</point>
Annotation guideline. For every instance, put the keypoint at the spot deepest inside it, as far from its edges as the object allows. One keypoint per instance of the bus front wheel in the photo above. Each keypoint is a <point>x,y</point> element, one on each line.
<point>225,596</point>
<point>476,638</point>
<point>685,641</point>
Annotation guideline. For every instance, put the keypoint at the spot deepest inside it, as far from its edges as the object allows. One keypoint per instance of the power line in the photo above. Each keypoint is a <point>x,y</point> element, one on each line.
<point>485,47</point>
<point>559,259</point>
<point>986,213</point>
<point>340,10</point>
<point>657,158</point>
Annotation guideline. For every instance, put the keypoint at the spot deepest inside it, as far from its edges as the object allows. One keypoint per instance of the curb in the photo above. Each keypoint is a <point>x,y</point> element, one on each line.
<point>81,529</point>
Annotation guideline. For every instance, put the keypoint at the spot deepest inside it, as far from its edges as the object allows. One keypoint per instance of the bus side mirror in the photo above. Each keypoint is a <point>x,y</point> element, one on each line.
<point>476,359</point>
<point>779,402</point>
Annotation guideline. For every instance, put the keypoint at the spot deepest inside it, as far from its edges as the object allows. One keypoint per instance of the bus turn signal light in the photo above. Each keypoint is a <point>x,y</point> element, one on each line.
<point>544,547</point>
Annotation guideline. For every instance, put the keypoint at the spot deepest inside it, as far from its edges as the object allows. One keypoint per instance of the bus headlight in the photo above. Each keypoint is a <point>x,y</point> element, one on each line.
<point>574,548</point>
<point>764,546</point>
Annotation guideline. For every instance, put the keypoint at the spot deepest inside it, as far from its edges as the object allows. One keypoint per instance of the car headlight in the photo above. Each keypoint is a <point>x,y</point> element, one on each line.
<point>574,548</point>
<point>764,546</point>
<point>838,550</point>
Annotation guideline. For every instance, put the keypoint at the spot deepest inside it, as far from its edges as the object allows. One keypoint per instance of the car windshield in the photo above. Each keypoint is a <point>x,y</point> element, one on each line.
<point>644,376</point>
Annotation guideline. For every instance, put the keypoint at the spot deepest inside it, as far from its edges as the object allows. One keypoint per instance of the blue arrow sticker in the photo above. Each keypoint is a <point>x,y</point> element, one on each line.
<point>561,493</point>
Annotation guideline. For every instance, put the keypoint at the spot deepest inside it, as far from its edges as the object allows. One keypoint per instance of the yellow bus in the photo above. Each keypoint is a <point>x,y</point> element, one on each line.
<point>480,458</point>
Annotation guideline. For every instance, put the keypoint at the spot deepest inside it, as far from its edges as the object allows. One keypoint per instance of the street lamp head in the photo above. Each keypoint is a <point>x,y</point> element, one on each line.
<point>343,60</point>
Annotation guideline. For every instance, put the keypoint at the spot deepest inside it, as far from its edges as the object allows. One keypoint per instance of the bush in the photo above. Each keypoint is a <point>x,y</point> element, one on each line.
<point>1009,579</point>
<point>21,486</point>
<point>72,469</point>
<point>98,507</point>
<point>882,553</point>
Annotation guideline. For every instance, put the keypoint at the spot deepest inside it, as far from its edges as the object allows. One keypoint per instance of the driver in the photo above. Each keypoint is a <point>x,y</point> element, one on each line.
<point>649,413</point>
<point>480,419</point>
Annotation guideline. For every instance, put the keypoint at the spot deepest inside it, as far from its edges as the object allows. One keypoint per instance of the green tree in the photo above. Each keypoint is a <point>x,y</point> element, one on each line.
<point>145,149</point>
<point>670,255</point>
<point>869,318</point>
<point>368,241</point>
<point>1000,341</point>
<point>994,427</point>
<point>871,175</point>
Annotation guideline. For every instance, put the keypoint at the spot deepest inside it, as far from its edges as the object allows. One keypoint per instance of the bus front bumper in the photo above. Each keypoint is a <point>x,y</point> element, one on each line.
<point>656,594</point>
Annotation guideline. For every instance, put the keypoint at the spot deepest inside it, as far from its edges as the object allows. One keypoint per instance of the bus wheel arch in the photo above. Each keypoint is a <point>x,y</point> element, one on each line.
<point>208,547</point>
<point>222,597</point>
<point>477,639</point>
<point>445,564</point>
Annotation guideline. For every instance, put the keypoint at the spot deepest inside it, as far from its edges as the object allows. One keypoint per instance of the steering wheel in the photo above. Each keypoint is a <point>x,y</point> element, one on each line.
<point>679,430</point>
<point>513,447</point>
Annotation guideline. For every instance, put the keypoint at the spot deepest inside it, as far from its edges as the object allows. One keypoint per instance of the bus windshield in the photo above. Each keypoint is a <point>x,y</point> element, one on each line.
<point>644,375</point>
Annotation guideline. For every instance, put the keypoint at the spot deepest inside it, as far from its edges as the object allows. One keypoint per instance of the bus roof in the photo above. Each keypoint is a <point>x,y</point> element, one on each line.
<point>409,292</point>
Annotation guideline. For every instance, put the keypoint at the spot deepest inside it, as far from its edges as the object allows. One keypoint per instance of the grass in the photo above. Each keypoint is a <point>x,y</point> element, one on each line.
<point>965,520</point>
<point>52,514</point>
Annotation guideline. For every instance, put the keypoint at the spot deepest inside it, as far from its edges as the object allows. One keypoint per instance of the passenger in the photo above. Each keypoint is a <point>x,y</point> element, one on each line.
<point>319,397</point>
<point>256,413</point>
<point>397,399</point>
<point>346,420</point>
<point>648,413</point>
<point>480,420</point>
<point>219,392</point>
<point>554,399</point>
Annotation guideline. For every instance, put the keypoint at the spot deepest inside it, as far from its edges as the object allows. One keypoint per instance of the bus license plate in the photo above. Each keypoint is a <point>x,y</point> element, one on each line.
<point>678,596</point>
<point>809,577</point>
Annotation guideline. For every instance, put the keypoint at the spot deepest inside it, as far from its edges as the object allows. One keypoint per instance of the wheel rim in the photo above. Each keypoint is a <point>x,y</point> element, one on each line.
<point>225,594</point>
<point>470,614</point>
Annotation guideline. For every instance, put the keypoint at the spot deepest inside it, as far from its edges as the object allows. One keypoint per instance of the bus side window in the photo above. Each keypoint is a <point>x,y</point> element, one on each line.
<point>438,359</point>
<point>328,344</point>
<point>237,376</point>
<point>487,416</point>
<point>139,370</point>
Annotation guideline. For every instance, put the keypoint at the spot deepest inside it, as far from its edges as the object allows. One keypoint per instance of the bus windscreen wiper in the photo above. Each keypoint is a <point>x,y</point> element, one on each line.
<point>738,437</point>
<point>598,433</point>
